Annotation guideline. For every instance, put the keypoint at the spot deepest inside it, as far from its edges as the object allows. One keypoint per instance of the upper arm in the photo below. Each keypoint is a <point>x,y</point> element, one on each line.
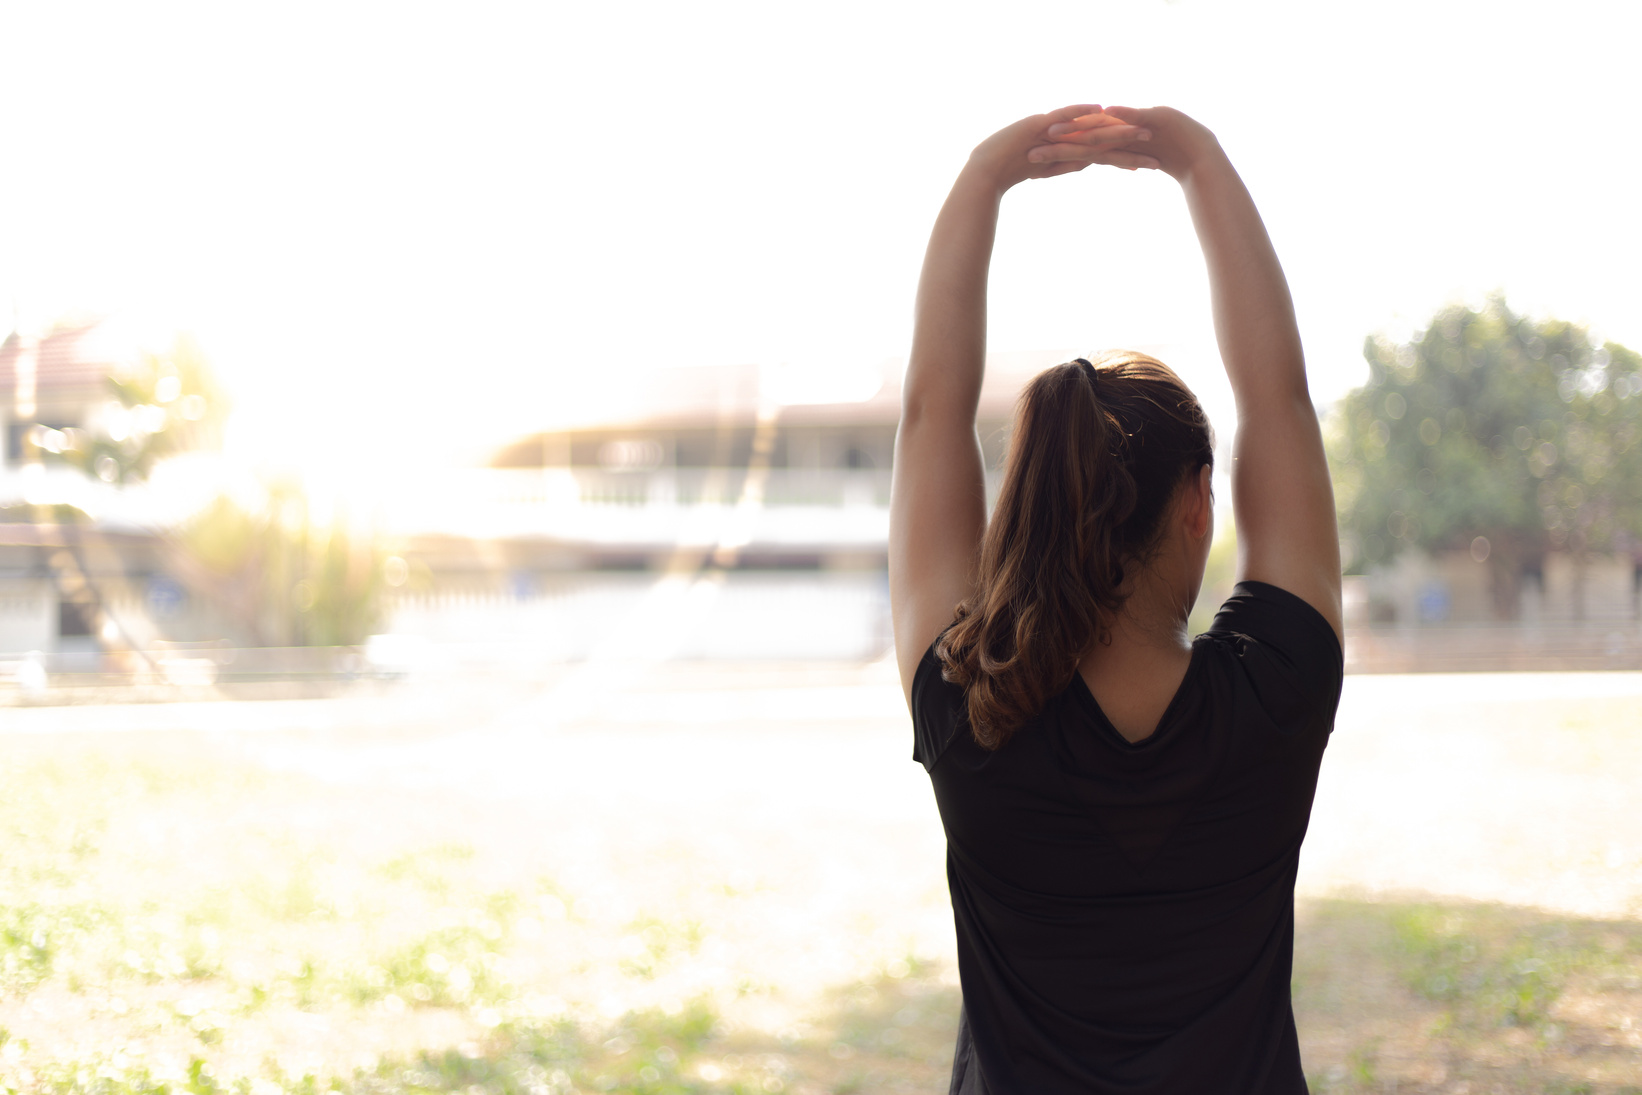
<point>1283,499</point>
<point>936,520</point>
<point>1281,494</point>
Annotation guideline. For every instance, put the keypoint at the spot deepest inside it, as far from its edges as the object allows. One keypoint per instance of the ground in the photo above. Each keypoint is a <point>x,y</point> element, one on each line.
<point>728,878</point>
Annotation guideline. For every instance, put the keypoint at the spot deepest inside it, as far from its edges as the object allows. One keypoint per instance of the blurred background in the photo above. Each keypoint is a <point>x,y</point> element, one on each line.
<point>444,465</point>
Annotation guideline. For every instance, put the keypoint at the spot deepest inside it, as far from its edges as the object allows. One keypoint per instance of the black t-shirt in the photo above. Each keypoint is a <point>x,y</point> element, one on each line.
<point>1125,912</point>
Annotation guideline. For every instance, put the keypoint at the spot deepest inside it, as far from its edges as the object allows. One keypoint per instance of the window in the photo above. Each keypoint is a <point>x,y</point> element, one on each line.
<point>73,620</point>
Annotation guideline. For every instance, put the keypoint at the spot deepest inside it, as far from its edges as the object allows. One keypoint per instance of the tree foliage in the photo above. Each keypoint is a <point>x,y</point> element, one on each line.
<point>164,404</point>
<point>161,404</point>
<point>292,580</point>
<point>1496,433</point>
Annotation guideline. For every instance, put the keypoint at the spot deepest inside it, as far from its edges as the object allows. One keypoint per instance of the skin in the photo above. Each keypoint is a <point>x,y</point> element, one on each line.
<point>1281,494</point>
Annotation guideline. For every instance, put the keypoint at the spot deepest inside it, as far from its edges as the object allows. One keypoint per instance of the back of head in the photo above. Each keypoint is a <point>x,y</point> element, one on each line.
<point>1097,454</point>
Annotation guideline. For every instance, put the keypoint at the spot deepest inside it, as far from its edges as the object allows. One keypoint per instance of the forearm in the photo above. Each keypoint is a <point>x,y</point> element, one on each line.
<point>949,327</point>
<point>1253,312</point>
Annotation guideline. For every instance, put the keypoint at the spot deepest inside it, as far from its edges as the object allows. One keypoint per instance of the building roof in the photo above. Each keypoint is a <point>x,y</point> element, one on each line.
<point>719,395</point>
<point>65,362</point>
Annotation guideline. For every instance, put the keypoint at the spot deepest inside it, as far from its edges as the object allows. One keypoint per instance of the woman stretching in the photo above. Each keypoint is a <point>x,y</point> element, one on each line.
<point>1123,804</point>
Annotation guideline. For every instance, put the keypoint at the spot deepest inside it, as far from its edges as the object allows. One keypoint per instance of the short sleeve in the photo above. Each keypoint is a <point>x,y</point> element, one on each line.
<point>937,711</point>
<point>1286,651</point>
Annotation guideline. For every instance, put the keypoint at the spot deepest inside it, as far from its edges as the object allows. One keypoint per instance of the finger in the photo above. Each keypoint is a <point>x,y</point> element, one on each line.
<point>1067,113</point>
<point>1113,133</point>
<point>1125,159</point>
<point>1068,150</point>
<point>1129,114</point>
<point>1064,168</point>
<point>1093,120</point>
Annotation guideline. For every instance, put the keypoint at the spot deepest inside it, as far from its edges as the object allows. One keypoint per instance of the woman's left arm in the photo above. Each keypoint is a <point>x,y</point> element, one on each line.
<point>938,493</point>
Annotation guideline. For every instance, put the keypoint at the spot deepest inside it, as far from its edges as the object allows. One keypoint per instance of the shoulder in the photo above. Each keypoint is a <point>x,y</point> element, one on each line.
<point>938,710</point>
<point>1271,612</point>
<point>1284,650</point>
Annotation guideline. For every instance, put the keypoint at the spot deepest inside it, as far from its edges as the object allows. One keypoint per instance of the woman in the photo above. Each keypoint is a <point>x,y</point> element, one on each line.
<point>1123,805</point>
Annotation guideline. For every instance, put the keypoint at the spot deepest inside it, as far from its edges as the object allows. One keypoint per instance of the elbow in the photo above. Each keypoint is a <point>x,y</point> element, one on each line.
<point>928,399</point>
<point>915,408</point>
<point>935,411</point>
<point>1280,399</point>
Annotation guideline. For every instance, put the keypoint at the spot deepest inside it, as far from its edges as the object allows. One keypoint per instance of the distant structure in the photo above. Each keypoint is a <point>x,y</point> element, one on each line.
<point>700,469</point>
<point>49,385</point>
<point>1435,613</point>
<point>700,460</point>
<point>86,573</point>
<point>706,516</point>
<point>761,518</point>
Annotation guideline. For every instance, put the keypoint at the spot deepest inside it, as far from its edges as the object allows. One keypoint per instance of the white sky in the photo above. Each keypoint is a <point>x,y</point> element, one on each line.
<point>408,231</point>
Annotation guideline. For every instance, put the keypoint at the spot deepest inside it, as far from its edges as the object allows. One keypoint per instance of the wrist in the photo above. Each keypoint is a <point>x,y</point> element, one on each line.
<point>980,182</point>
<point>1208,165</point>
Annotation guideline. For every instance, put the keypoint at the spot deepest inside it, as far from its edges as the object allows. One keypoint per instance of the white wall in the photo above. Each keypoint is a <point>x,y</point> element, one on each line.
<point>777,615</point>
<point>28,617</point>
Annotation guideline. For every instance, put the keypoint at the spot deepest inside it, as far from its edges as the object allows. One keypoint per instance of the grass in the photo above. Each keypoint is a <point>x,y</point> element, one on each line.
<point>1413,996</point>
<point>175,919</point>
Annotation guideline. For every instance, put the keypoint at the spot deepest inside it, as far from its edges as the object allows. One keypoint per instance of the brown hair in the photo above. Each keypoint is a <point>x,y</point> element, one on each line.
<point>1097,454</point>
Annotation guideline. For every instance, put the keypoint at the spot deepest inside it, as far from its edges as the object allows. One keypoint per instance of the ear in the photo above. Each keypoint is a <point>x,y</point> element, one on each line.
<point>1197,502</point>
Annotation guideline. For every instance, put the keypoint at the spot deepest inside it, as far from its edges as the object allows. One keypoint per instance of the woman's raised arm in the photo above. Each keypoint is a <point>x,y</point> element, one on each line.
<point>1281,494</point>
<point>938,495</point>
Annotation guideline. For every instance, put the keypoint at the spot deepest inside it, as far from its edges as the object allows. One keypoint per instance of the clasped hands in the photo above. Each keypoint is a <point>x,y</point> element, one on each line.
<point>1074,137</point>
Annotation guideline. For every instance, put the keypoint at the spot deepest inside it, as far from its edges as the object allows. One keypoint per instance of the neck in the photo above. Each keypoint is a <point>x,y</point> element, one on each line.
<point>1153,617</point>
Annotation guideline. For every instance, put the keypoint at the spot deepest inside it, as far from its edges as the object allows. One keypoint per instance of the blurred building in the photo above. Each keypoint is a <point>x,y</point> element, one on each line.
<point>52,388</point>
<point>694,460</point>
<point>704,470</point>
<point>87,569</point>
<point>53,383</point>
<point>699,513</point>
<point>1427,613</point>
<point>1453,588</point>
<point>777,509</point>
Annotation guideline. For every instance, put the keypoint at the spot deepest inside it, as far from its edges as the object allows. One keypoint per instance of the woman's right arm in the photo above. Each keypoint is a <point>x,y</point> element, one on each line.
<point>1281,493</point>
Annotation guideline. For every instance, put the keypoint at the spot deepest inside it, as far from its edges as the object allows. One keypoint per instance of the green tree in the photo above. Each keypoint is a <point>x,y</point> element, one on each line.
<point>1496,433</point>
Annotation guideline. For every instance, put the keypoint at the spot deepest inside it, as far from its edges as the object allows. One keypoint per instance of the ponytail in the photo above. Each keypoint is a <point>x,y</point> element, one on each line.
<point>1095,457</point>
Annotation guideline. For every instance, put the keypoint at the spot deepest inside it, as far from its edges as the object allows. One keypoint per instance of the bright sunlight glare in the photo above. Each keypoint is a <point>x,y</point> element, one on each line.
<point>404,236</point>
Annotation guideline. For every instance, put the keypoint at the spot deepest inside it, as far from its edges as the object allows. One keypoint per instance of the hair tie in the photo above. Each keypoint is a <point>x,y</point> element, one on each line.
<point>1088,367</point>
